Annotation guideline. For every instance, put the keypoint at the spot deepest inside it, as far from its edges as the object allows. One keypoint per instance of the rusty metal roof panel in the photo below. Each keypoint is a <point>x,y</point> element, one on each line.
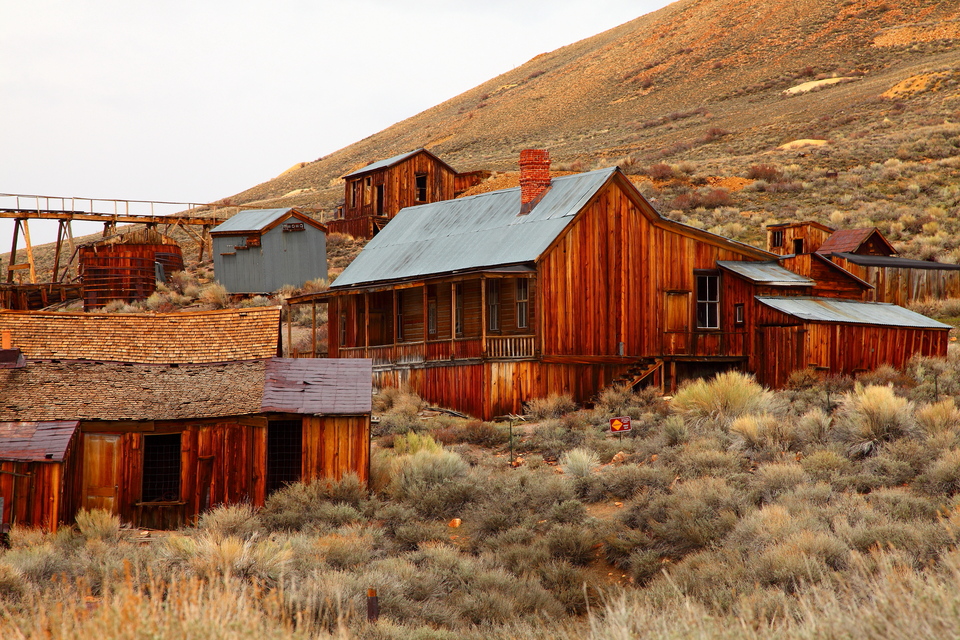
<point>318,386</point>
<point>380,164</point>
<point>768,273</point>
<point>896,262</point>
<point>850,312</point>
<point>36,441</point>
<point>250,221</point>
<point>484,230</point>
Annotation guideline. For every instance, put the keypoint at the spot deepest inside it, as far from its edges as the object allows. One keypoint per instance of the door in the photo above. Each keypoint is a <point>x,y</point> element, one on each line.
<point>676,322</point>
<point>101,471</point>
<point>284,453</point>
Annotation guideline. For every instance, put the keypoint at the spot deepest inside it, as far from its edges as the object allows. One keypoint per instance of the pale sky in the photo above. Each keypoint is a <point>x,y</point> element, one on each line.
<point>195,100</point>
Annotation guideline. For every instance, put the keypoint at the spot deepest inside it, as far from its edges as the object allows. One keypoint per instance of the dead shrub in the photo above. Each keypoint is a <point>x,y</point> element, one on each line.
<point>767,172</point>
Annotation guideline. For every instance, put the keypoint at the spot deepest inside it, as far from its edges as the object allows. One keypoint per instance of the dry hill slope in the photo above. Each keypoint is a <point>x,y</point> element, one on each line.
<point>665,85</point>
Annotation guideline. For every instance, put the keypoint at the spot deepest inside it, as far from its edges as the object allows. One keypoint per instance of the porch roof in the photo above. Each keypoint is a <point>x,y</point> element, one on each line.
<point>850,312</point>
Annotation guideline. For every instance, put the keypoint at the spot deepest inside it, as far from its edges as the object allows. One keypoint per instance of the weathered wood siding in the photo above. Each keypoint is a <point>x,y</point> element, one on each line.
<point>811,235</point>
<point>336,445</point>
<point>903,285</point>
<point>32,493</point>
<point>604,282</point>
<point>830,282</point>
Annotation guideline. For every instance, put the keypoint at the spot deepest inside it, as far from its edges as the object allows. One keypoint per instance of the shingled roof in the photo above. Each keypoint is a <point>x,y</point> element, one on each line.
<point>850,241</point>
<point>113,391</point>
<point>164,338</point>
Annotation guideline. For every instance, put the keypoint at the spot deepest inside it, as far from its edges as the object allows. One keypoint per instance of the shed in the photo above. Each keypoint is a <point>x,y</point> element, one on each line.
<point>261,250</point>
<point>159,444</point>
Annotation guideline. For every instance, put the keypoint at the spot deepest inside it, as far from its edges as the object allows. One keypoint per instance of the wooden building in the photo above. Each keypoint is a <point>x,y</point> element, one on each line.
<point>127,266</point>
<point>869,256</point>
<point>159,444</point>
<point>568,285</point>
<point>261,250</point>
<point>375,193</point>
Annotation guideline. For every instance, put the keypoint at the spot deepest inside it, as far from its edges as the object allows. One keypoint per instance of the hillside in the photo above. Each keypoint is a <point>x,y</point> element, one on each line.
<point>703,85</point>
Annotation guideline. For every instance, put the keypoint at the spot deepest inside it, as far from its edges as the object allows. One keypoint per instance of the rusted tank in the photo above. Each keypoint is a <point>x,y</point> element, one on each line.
<point>126,267</point>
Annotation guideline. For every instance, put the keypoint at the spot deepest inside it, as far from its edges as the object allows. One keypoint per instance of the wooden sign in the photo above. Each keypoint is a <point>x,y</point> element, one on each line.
<point>619,425</point>
<point>293,226</point>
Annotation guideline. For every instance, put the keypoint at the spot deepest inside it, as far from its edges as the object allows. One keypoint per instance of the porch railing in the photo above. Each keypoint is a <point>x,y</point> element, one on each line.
<point>501,347</point>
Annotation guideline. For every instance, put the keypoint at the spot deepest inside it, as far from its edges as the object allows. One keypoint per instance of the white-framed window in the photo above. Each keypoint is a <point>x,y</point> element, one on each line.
<point>739,314</point>
<point>493,305</point>
<point>523,302</point>
<point>708,301</point>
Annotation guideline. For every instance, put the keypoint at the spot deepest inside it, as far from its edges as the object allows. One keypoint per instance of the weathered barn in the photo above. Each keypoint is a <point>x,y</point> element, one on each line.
<point>567,285</point>
<point>375,193</point>
<point>869,256</point>
<point>261,250</point>
<point>127,267</point>
<point>158,444</point>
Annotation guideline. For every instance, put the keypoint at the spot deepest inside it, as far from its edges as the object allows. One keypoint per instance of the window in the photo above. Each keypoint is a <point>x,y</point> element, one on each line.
<point>738,313</point>
<point>284,453</point>
<point>493,305</point>
<point>776,239</point>
<point>354,189</point>
<point>523,298</point>
<point>708,301</point>
<point>399,316</point>
<point>458,309</point>
<point>798,246</point>
<point>343,329</point>
<point>367,188</point>
<point>161,468</point>
<point>421,187</point>
<point>432,316</point>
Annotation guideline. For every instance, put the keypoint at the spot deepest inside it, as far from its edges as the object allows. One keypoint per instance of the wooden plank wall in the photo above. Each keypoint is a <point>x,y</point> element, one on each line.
<point>31,493</point>
<point>336,445</point>
<point>902,286</point>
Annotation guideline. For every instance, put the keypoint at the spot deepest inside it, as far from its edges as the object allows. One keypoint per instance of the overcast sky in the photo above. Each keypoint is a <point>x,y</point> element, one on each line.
<point>195,100</point>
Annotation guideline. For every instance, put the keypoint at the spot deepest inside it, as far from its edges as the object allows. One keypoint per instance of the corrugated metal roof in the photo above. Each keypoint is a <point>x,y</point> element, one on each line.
<point>251,220</point>
<point>468,233</point>
<point>851,311</point>
<point>36,441</point>
<point>894,261</point>
<point>318,385</point>
<point>380,164</point>
<point>769,273</point>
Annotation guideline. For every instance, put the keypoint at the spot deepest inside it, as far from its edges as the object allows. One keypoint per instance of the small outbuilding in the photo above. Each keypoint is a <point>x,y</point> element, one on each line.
<point>261,250</point>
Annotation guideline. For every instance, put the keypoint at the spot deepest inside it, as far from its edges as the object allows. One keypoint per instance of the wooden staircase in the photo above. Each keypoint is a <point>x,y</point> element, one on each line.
<point>639,371</point>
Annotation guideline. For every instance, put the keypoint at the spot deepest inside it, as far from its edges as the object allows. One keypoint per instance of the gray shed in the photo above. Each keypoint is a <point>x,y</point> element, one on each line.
<point>260,250</point>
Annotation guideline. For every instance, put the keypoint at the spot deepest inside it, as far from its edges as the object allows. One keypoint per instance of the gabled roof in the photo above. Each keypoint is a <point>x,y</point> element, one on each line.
<point>850,240</point>
<point>162,338</point>
<point>260,221</point>
<point>485,232</point>
<point>768,273</point>
<point>473,232</point>
<point>113,391</point>
<point>389,162</point>
<point>850,312</point>
<point>36,441</point>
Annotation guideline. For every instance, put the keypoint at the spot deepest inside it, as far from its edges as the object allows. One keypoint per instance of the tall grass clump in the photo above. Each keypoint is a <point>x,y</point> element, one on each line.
<point>579,462</point>
<point>304,505</point>
<point>872,415</point>
<point>553,406</point>
<point>215,295</point>
<point>238,520</point>
<point>721,399</point>
<point>98,524</point>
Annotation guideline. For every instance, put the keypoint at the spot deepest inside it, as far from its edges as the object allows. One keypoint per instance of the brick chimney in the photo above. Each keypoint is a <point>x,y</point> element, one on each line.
<point>534,177</point>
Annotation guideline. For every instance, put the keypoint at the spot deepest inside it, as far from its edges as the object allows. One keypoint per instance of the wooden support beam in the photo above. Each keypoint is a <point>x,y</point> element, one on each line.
<point>29,246</point>
<point>366,320</point>
<point>289,332</point>
<point>313,332</point>
<point>483,316</point>
<point>424,317</point>
<point>13,250</point>
<point>56,256</point>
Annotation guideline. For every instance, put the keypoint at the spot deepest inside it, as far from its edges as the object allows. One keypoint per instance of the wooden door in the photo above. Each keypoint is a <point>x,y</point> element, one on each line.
<point>101,471</point>
<point>676,322</point>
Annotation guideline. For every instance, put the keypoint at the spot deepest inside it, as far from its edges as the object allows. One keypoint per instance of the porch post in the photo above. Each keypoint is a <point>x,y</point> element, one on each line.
<point>366,323</point>
<point>453,319</point>
<point>313,334</point>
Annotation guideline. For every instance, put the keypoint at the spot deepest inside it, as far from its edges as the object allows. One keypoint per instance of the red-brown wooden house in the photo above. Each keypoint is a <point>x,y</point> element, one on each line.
<point>570,284</point>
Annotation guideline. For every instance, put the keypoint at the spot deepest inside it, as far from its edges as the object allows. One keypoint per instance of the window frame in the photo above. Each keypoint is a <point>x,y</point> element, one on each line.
<point>739,313</point>
<point>398,327</point>
<point>420,191</point>
<point>522,295</point>
<point>154,476</point>
<point>776,238</point>
<point>493,304</point>
<point>458,309</point>
<point>707,316</point>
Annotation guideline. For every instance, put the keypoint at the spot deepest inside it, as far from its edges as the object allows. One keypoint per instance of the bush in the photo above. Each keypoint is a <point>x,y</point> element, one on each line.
<point>553,406</point>
<point>579,463</point>
<point>239,520</point>
<point>872,415</point>
<point>301,505</point>
<point>765,433</point>
<point>722,398</point>
<point>98,524</point>
<point>215,295</point>
<point>225,556</point>
<point>767,172</point>
<point>574,543</point>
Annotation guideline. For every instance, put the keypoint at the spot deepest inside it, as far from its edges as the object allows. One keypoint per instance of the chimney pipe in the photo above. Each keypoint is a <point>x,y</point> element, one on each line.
<point>7,342</point>
<point>534,177</point>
